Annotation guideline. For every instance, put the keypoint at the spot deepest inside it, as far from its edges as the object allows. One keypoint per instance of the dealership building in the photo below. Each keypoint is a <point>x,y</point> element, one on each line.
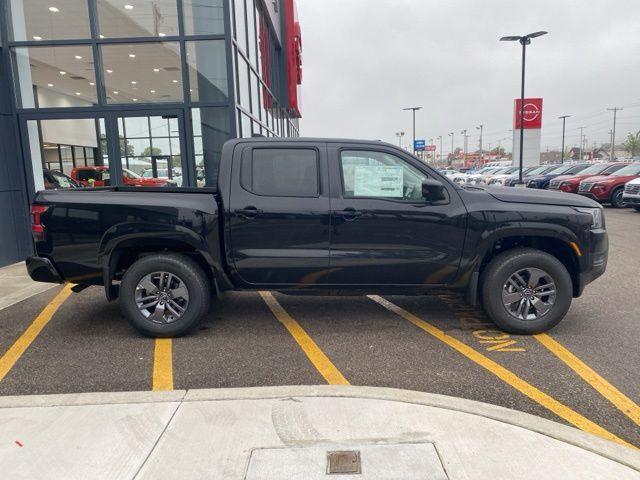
<point>135,89</point>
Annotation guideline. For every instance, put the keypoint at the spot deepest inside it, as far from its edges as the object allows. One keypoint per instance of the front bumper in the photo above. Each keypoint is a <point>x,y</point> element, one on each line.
<point>631,199</point>
<point>41,269</point>
<point>595,262</point>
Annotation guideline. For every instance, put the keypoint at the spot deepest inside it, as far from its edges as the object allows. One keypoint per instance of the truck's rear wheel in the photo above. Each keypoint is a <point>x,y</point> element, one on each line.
<point>164,295</point>
<point>526,291</point>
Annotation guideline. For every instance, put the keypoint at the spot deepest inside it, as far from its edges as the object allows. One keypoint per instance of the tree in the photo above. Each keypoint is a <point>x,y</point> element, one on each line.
<point>151,152</point>
<point>632,145</point>
<point>498,151</point>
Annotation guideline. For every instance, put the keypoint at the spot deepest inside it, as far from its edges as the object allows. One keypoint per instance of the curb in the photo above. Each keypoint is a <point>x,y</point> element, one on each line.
<point>557,431</point>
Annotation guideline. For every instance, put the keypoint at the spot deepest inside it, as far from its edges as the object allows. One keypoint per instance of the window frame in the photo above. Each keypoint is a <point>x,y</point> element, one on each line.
<point>388,199</point>
<point>247,154</point>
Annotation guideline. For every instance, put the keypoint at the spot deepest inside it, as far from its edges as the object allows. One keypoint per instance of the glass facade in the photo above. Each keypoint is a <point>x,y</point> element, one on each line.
<point>143,92</point>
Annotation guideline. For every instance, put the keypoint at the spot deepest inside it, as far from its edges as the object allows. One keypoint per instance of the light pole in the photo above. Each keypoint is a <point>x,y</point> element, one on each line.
<point>413,110</point>
<point>400,135</point>
<point>480,127</point>
<point>581,141</point>
<point>440,138</point>
<point>564,119</point>
<point>613,134</point>
<point>524,41</point>
<point>466,137</point>
<point>451,158</point>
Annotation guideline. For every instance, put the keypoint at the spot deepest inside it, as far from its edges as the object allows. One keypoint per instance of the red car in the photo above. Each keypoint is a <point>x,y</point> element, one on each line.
<point>609,188</point>
<point>99,177</point>
<point>570,183</point>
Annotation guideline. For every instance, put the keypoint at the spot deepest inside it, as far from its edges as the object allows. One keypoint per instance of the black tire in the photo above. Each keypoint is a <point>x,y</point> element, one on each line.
<point>637,208</point>
<point>188,271</point>
<point>499,271</point>
<point>616,199</point>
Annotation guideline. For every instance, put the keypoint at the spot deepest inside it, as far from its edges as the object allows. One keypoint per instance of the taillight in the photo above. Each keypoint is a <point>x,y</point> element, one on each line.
<point>37,228</point>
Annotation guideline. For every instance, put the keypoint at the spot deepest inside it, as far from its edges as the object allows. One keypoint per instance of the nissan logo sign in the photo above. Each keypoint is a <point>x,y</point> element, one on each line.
<point>531,112</point>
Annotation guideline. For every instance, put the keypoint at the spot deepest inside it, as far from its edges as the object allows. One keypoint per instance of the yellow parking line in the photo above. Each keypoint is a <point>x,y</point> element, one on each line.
<point>9,359</point>
<point>608,391</point>
<point>505,375</point>
<point>162,365</point>
<point>311,349</point>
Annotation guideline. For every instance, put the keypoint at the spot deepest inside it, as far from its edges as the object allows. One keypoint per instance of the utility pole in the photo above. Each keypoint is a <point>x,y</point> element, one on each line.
<point>613,134</point>
<point>564,119</point>
<point>440,138</point>
<point>451,158</point>
<point>400,135</point>
<point>466,137</point>
<point>480,127</point>
<point>413,110</point>
<point>581,128</point>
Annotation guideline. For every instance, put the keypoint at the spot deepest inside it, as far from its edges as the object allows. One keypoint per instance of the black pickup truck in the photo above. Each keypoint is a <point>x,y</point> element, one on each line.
<point>320,216</point>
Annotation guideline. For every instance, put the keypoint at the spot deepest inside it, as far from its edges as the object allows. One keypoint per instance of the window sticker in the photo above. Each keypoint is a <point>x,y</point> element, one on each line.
<point>378,181</point>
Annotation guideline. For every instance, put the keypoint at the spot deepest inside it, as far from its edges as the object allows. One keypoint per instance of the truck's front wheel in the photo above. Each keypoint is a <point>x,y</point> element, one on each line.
<point>526,291</point>
<point>164,295</point>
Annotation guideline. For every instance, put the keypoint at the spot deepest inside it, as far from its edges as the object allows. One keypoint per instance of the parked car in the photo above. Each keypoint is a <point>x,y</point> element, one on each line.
<point>99,177</point>
<point>530,173</point>
<point>482,176</point>
<point>542,181</point>
<point>498,179</point>
<point>317,216</point>
<point>454,175</point>
<point>55,179</point>
<point>609,188</point>
<point>631,195</point>
<point>570,183</point>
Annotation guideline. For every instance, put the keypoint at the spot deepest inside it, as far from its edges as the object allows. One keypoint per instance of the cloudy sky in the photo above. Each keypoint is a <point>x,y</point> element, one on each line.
<point>364,60</point>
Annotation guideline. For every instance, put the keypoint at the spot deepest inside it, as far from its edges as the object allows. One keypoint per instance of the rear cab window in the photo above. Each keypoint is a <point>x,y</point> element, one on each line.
<point>281,172</point>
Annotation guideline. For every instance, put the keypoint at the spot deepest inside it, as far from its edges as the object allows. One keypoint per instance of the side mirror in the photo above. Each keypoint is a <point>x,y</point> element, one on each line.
<point>433,190</point>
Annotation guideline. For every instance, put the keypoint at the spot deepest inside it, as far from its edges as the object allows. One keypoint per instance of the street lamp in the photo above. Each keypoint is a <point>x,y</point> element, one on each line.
<point>524,41</point>
<point>466,137</point>
<point>400,135</point>
<point>440,138</point>
<point>413,109</point>
<point>451,158</point>
<point>480,127</point>
<point>564,119</point>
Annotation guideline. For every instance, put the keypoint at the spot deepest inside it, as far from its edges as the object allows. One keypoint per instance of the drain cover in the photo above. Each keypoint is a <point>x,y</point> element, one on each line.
<point>347,461</point>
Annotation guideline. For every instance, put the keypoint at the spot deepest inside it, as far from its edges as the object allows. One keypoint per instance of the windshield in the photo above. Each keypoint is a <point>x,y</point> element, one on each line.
<point>538,170</point>
<point>559,170</point>
<point>628,170</point>
<point>128,173</point>
<point>594,169</point>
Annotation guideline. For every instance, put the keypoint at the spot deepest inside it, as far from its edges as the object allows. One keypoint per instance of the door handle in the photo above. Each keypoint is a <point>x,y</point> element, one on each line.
<point>350,213</point>
<point>248,212</point>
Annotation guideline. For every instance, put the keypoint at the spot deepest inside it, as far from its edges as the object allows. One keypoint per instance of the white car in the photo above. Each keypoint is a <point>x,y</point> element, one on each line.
<point>631,194</point>
<point>482,176</point>
<point>455,175</point>
<point>498,179</point>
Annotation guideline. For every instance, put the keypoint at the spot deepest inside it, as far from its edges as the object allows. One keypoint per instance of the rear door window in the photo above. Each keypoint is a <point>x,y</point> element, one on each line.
<point>281,172</point>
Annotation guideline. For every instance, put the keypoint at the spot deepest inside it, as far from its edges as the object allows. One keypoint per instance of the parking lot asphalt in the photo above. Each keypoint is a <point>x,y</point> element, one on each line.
<point>583,373</point>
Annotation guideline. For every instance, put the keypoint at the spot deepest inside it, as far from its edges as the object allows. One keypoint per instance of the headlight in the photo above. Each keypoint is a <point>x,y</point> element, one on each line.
<point>597,218</point>
<point>598,185</point>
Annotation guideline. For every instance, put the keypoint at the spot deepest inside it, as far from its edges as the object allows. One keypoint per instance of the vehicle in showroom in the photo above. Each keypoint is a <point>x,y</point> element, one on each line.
<point>631,194</point>
<point>570,183</point>
<point>55,179</point>
<point>534,171</point>
<point>173,175</point>
<point>609,188</point>
<point>94,176</point>
<point>320,216</point>
<point>454,175</point>
<point>542,180</point>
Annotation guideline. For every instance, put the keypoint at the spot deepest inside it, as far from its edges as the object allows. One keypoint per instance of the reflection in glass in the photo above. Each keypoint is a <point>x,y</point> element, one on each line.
<point>241,31</point>
<point>207,70</point>
<point>142,73</point>
<point>117,18</point>
<point>211,129</point>
<point>54,76</point>
<point>203,17</point>
<point>34,20</point>
<point>243,83</point>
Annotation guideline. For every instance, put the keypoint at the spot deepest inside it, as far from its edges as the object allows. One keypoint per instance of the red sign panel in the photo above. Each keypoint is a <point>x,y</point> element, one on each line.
<point>293,40</point>
<point>532,113</point>
<point>430,148</point>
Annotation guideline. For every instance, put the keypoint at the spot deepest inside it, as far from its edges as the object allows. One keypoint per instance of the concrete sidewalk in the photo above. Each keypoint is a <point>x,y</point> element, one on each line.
<point>287,432</point>
<point>16,285</point>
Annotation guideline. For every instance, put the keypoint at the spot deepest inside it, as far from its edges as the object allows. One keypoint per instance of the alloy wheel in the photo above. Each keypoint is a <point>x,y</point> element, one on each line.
<point>162,297</point>
<point>529,294</point>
